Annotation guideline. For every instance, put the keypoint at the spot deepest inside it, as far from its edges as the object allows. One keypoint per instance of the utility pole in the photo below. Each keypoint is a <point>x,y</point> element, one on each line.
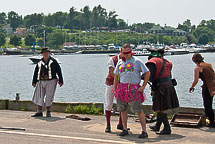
<point>44,38</point>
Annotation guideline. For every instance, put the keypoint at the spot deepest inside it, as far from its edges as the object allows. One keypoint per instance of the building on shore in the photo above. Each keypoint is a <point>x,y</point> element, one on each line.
<point>166,30</point>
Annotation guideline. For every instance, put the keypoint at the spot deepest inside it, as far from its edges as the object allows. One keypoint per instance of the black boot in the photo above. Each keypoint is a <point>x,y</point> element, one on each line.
<point>157,126</point>
<point>108,129</point>
<point>166,130</point>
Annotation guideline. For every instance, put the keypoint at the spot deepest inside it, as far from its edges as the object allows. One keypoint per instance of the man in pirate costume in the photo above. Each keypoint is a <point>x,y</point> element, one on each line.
<point>45,81</point>
<point>127,88</point>
<point>164,96</point>
<point>109,95</point>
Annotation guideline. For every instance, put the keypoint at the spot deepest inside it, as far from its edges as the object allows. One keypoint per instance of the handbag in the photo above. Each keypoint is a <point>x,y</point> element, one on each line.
<point>174,82</point>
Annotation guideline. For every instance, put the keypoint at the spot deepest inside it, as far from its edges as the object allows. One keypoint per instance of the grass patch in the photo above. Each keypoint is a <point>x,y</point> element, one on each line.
<point>84,109</point>
<point>24,108</point>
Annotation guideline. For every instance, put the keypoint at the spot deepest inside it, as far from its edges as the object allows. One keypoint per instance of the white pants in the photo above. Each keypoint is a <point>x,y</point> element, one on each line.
<point>44,89</point>
<point>109,96</point>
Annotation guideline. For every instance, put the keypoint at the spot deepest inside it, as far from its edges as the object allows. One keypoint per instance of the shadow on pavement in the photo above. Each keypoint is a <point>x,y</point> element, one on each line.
<point>134,138</point>
<point>207,129</point>
<point>50,119</point>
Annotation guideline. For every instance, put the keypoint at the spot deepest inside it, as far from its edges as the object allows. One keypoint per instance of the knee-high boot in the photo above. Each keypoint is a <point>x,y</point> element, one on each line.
<point>166,130</point>
<point>158,123</point>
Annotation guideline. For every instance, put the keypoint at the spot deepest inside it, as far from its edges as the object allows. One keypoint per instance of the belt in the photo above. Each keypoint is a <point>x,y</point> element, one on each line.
<point>165,80</point>
<point>45,79</point>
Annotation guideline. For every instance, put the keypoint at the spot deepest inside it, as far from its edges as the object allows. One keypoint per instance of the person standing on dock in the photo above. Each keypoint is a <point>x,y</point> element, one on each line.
<point>163,93</point>
<point>205,72</point>
<point>45,81</point>
<point>127,88</point>
<point>109,95</point>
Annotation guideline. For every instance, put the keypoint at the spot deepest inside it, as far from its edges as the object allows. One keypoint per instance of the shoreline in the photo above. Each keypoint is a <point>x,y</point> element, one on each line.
<point>26,105</point>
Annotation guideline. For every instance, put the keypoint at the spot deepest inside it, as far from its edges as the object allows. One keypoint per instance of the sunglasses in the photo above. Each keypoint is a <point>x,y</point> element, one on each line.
<point>127,52</point>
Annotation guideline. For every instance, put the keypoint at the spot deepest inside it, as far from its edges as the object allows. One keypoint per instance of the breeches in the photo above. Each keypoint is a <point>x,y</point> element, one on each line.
<point>44,92</point>
<point>109,97</point>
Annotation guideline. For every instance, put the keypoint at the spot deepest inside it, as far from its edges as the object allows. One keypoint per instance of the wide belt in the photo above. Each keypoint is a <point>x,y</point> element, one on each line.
<point>165,80</point>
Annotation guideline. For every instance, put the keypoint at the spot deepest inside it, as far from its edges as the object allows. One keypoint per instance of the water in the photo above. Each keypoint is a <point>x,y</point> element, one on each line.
<point>84,78</point>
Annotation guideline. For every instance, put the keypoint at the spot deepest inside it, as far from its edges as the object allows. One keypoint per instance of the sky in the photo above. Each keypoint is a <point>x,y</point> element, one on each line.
<point>169,12</point>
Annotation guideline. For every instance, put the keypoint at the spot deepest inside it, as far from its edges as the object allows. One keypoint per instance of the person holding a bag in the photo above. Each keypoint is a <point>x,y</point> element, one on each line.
<point>163,91</point>
<point>205,72</point>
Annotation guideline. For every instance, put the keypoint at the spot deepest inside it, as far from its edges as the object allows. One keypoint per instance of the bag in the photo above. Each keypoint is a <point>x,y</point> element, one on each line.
<point>156,84</point>
<point>174,82</point>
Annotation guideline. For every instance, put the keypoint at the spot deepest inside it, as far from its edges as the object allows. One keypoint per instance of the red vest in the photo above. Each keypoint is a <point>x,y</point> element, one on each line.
<point>158,64</point>
<point>109,78</point>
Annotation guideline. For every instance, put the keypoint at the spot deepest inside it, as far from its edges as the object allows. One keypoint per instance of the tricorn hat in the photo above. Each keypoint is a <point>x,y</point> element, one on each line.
<point>45,50</point>
<point>154,49</point>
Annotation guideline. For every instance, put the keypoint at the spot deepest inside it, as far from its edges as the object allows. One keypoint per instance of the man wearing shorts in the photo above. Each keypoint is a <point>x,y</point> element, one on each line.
<point>127,88</point>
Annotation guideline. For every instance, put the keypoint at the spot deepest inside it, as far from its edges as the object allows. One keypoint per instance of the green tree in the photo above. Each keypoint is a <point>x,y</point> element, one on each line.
<point>99,16</point>
<point>14,19</point>
<point>55,39</point>
<point>186,26</point>
<point>203,31</point>
<point>167,40</point>
<point>3,18</point>
<point>2,29</point>
<point>191,39</point>
<point>29,39</point>
<point>203,39</point>
<point>33,20</point>
<point>15,40</point>
<point>73,20</point>
<point>2,39</point>
<point>86,17</point>
<point>179,39</point>
<point>40,42</point>
<point>121,24</point>
<point>49,20</point>
<point>59,19</point>
<point>112,21</point>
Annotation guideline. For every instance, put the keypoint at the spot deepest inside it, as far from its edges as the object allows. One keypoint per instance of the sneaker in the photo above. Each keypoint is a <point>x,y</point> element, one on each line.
<point>38,115</point>
<point>124,133</point>
<point>108,129</point>
<point>143,135</point>
<point>48,114</point>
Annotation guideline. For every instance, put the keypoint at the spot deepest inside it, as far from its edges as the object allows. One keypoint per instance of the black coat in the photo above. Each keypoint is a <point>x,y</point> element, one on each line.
<point>55,70</point>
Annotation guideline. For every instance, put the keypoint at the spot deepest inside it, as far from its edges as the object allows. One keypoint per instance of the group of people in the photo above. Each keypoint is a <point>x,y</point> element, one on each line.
<point>124,83</point>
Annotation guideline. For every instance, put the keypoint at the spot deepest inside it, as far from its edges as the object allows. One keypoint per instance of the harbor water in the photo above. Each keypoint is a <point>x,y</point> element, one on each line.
<point>84,78</point>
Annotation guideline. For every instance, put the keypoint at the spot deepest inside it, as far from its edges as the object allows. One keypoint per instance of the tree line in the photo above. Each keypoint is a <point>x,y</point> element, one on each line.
<point>86,27</point>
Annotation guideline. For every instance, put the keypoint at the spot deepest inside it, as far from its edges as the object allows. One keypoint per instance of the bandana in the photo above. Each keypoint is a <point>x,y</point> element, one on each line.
<point>154,54</point>
<point>127,52</point>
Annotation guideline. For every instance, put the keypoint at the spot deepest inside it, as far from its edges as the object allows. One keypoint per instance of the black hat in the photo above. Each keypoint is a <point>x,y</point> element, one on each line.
<point>45,50</point>
<point>153,49</point>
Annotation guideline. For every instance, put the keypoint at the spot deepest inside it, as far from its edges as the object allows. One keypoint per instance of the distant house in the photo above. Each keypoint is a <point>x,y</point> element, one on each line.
<point>8,29</point>
<point>21,32</point>
<point>69,46</point>
<point>166,30</point>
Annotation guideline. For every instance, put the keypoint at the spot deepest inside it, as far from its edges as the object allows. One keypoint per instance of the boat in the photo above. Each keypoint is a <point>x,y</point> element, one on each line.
<point>179,51</point>
<point>16,51</point>
<point>37,58</point>
<point>197,50</point>
<point>135,54</point>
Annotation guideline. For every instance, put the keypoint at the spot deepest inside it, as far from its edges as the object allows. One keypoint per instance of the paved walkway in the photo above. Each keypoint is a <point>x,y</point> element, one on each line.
<point>61,130</point>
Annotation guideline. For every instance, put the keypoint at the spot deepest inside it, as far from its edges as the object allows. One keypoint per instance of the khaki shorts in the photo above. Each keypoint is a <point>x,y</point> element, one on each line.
<point>135,106</point>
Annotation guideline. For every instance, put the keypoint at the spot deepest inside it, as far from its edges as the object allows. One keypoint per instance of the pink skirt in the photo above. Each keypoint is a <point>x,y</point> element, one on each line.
<point>126,94</point>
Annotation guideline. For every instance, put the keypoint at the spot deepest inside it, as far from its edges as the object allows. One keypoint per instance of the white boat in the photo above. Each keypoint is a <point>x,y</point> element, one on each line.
<point>177,51</point>
<point>197,50</point>
<point>37,58</point>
